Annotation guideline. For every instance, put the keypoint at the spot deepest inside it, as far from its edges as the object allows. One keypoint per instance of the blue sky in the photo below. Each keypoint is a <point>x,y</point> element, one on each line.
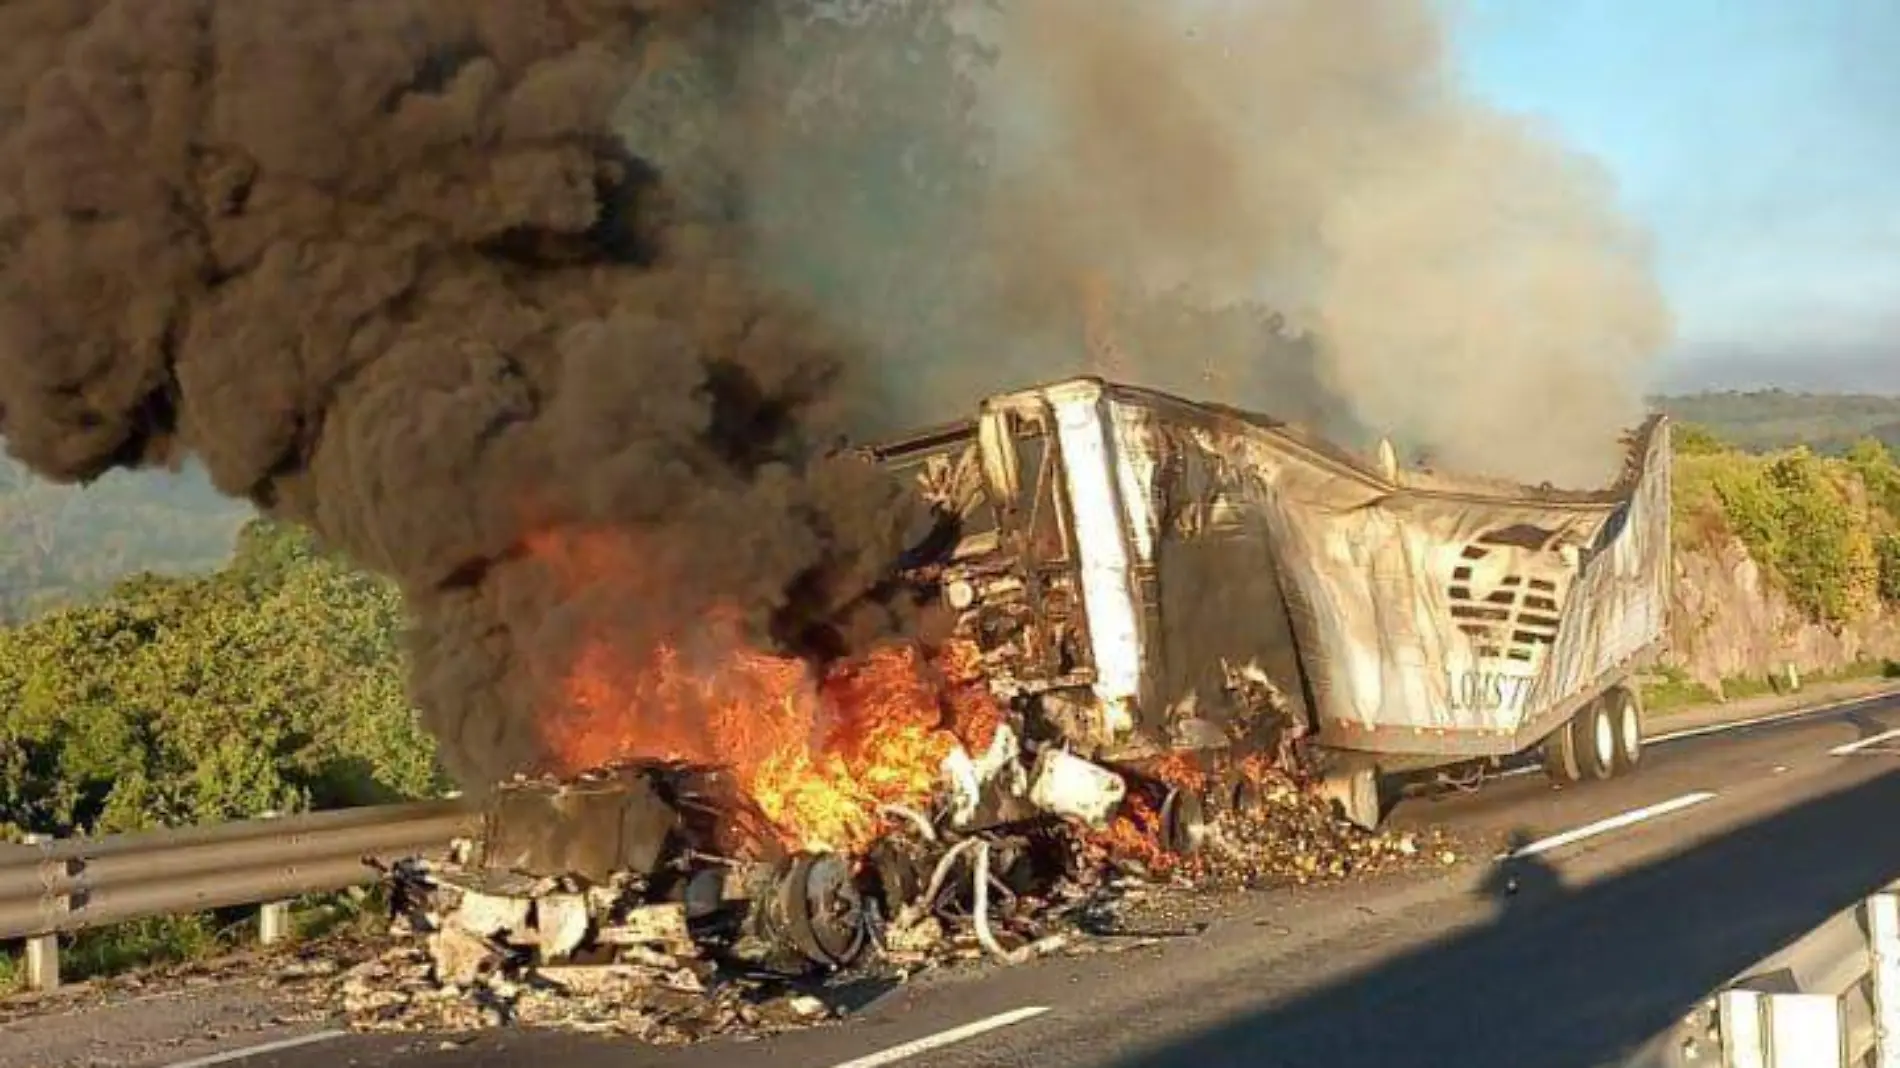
<point>1759,140</point>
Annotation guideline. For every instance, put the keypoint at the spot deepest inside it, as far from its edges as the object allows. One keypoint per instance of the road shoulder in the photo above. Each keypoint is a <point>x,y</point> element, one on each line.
<point>1811,699</point>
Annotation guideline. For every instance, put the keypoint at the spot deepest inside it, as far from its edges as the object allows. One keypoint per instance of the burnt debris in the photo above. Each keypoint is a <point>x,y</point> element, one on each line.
<point>649,901</point>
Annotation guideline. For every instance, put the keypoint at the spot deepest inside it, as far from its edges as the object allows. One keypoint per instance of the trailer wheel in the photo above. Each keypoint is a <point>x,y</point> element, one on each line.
<point>1598,746</point>
<point>1561,762</point>
<point>1628,716</point>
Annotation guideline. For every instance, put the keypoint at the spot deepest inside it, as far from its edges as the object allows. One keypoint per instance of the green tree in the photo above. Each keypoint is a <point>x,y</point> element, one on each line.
<point>1694,439</point>
<point>1873,461</point>
<point>273,684</point>
<point>1803,517</point>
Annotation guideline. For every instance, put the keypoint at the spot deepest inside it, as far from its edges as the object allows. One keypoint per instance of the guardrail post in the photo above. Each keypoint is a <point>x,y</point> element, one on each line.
<point>1739,1014</point>
<point>273,922</point>
<point>1883,938</point>
<point>42,951</point>
<point>1781,1030</point>
<point>1804,1031</point>
<point>273,917</point>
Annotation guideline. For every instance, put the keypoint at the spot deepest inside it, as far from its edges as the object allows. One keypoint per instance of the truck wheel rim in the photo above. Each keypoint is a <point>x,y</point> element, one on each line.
<point>1606,740</point>
<point>1632,733</point>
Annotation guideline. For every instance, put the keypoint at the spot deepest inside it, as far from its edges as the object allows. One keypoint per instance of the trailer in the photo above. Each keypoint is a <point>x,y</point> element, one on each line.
<point>1147,576</point>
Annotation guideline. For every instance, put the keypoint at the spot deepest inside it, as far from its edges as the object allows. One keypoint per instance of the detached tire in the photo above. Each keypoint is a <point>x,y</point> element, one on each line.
<point>1596,739</point>
<point>1627,714</point>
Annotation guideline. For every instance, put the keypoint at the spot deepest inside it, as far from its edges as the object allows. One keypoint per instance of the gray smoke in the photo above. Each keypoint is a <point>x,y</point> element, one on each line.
<point>1453,277</point>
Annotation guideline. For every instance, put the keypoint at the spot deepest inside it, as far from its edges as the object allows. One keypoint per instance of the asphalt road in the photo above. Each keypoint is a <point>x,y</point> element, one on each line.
<point>1627,902</point>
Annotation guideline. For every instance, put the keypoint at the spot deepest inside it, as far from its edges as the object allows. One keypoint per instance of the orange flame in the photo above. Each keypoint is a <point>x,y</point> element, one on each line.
<point>819,755</point>
<point>1134,833</point>
<point>1179,769</point>
<point>1137,832</point>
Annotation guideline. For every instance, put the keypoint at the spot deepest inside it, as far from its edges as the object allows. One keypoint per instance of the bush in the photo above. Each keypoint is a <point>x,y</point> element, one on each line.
<point>1887,553</point>
<point>1694,439</point>
<point>275,684</point>
<point>1822,528</point>
<point>1874,463</point>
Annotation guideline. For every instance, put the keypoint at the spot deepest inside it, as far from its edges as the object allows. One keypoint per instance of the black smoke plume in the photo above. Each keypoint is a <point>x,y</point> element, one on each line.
<point>389,268</point>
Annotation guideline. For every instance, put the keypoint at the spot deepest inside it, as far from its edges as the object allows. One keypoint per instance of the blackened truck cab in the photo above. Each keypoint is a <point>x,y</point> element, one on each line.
<point>1147,575</point>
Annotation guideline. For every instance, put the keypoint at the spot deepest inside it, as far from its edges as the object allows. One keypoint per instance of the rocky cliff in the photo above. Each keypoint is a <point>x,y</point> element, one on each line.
<point>1729,620</point>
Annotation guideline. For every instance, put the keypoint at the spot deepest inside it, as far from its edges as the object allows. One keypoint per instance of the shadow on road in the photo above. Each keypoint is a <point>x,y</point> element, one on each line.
<point>1578,977</point>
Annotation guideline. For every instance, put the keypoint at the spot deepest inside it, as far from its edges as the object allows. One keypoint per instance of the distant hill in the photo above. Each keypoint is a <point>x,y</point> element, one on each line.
<point>1774,419</point>
<point>1820,369</point>
<point>63,544</point>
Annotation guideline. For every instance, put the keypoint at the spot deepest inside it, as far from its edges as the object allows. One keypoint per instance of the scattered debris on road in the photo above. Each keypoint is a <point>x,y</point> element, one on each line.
<point>646,901</point>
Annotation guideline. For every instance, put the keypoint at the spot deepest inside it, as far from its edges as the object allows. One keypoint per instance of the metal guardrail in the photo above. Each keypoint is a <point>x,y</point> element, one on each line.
<point>60,886</point>
<point>1831,999</point>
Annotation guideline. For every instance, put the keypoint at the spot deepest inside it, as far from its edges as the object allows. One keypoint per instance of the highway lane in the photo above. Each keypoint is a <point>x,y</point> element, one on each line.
<point>1637,896</point>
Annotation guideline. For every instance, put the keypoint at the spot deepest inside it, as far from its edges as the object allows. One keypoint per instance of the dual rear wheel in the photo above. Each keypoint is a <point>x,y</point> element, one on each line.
<point>1602,740</point>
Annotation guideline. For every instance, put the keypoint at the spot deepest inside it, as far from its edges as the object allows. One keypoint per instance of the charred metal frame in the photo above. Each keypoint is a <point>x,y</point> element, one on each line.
<point>1060,654</point>
<point>1106,502</point>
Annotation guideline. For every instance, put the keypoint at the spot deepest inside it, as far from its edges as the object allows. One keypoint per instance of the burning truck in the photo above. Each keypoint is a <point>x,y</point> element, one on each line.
<point>1167,617</point>
<point>1150,580</point>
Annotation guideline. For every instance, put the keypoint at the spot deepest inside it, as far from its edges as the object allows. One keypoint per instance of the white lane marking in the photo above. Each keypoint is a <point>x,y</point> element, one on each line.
<point>257,1051</point>
<point>1855,747</point>
<point>1772,717</point>
<point>1603,826</point>
<point>944,1038</point>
